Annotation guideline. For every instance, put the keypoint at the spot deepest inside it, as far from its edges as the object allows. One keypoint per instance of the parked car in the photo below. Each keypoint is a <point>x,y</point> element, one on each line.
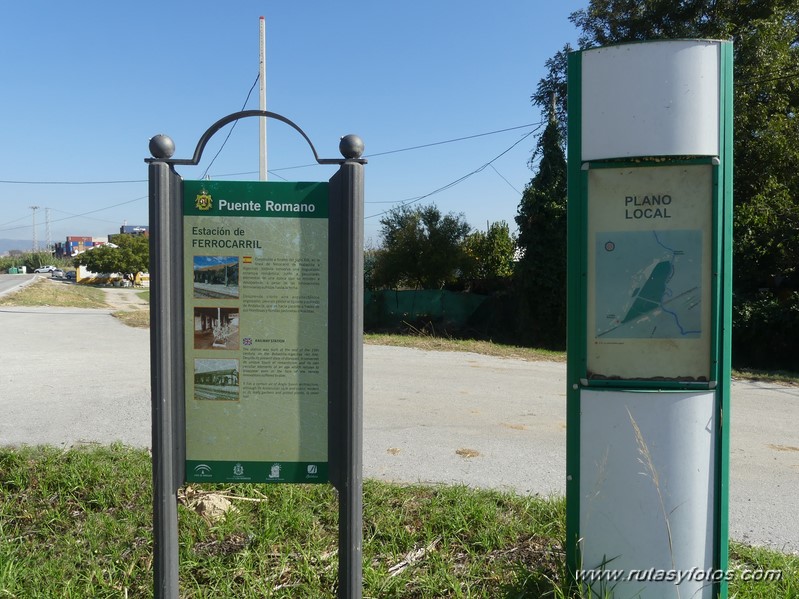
<point>57,274</point>
<point>45,269</point>
<point>70,276</point>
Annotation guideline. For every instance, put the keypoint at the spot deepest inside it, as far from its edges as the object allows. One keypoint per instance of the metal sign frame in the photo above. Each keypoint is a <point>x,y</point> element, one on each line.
<point>345,357</point>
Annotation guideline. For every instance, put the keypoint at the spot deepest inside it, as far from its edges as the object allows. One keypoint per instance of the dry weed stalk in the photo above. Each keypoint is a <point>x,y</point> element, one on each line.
<point>648,463</point>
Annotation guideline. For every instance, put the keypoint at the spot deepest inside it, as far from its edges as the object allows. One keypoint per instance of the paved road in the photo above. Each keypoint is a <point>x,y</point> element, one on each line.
<point>422,407</point>
<point>428,416</point>
<point>10,283</point>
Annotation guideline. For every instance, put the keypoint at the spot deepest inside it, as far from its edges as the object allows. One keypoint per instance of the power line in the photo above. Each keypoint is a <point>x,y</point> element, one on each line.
<point>230,132</point>
<point>71,182</point>
<point>789,75</point>
<point>11,222</point>
<point>501,176</point>
<point>274,170</point>
<point>429,145</point>
<point>71,215</point>
<point>84,213</point>
<point>410,201</point>
<point>449,141</point>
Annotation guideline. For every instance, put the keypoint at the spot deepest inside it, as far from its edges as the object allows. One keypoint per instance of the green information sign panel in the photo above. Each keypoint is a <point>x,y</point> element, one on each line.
<point>256,306</point>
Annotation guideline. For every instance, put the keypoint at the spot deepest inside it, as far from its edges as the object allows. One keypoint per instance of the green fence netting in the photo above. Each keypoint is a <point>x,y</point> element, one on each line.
<point>392,310</point>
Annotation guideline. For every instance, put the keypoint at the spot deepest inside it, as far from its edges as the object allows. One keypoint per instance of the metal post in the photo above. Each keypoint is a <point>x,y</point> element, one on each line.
<point>262,171</point>
<point>346,362</point>
<point>166,363</point>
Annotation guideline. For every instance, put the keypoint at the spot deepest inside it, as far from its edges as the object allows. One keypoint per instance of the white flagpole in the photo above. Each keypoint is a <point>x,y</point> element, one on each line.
<point>262,89</point>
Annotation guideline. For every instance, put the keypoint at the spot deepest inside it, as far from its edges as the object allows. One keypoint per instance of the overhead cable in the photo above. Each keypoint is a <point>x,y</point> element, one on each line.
<point>413,200</point>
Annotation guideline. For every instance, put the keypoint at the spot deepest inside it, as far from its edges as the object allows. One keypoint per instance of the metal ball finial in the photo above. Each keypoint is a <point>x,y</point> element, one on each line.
<point>351,147</point>
<point>162,146</point>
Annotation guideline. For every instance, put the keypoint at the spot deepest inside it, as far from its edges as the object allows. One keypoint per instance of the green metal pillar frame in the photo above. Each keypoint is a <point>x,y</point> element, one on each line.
<point>579,377</point>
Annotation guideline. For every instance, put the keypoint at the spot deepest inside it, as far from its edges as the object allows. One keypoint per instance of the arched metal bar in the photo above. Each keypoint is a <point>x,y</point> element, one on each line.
<point>198,152</point>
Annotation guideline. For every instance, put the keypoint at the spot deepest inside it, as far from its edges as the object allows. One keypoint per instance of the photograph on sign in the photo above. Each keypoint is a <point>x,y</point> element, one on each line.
<point>648,272</point>
<point>216,380</point>
<point>216,328</point>
<point>256,297</point>
<point>216,277</point>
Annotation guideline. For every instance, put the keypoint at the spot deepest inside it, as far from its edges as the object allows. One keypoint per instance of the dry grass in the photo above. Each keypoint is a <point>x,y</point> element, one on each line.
<point>139,319</point>
<point>487,348</point>
<point>59,294</point>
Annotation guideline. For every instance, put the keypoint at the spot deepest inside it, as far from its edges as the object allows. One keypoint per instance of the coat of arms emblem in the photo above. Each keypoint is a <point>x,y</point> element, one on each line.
<point>204,201</point>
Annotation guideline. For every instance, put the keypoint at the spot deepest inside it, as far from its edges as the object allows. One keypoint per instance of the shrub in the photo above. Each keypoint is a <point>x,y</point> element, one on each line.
<point>765,331</point>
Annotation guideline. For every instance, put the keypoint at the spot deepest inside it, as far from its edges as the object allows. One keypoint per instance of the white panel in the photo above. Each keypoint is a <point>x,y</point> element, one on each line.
<point>651,99</point>
<point>646,487</point>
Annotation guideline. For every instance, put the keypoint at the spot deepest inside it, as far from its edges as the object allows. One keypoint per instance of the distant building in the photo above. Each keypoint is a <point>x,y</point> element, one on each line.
<point>75,245</point>
<point>130,230</point>
<point>134,230</point>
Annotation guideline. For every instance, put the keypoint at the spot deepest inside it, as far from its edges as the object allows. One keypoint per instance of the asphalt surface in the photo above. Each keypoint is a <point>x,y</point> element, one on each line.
<point>70,376</point>
<point>9,283</point>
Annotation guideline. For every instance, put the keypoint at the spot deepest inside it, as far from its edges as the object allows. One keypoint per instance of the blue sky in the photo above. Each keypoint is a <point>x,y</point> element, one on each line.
<point>85,85</point>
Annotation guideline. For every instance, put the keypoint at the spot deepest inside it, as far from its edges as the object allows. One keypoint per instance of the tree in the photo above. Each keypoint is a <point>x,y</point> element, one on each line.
<point>766,241</point>
<point>420,248</point>
<point>36,259</point>
<point>540,275</point>
<point>130,256</point>
<point>551,92</point>
<point>369,260</point>
<point>489,254</point>
<point>765,35</point>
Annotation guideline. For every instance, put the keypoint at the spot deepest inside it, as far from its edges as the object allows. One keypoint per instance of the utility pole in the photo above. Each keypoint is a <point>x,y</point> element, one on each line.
<point>262,94</point>
<point>48,238</point>
<point>35,244</point>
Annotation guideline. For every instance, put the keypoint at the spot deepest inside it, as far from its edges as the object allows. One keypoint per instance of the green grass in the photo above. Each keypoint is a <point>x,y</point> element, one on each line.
<point>757,559</point>
<point>77,524</point>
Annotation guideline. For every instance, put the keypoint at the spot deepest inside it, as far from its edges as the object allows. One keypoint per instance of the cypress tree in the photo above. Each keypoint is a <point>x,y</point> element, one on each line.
<point>540,274</point>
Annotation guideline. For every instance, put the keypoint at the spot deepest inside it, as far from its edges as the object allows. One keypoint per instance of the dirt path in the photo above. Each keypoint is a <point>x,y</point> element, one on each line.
<point>124,298</point>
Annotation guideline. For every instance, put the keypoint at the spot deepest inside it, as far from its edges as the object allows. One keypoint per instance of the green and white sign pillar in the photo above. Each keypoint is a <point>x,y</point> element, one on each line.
<point>649,275</point>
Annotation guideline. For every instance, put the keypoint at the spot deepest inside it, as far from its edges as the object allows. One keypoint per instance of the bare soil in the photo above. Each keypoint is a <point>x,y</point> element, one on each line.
<point>124,298</point>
